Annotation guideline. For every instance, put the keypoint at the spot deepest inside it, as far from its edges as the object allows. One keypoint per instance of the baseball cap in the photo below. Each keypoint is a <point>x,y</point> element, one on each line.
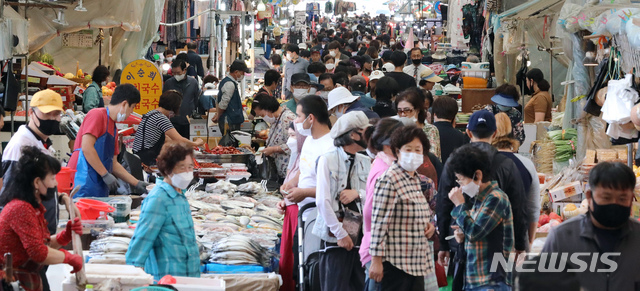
<point>367,59</point>
<point>315,50</point>
<point>348,122</point>
<point>429,75</point>
<point>239,65</point>
<point>482,119</point>
<point>302,46</point>
<point>326,39</point>
<point>376,75</point>
<point>300,77</point>
<point>388,67</point>
<point>314,82</point>
<point>339,96</point>
<point>47,101</point>
<point>357,83</point>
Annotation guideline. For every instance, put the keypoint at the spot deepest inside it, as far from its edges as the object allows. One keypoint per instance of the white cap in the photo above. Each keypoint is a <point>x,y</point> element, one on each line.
<point>302,46</point>
<point>375,75</point>
<point>349,121</point>
<point>340,95</point>
<point>389,67</point>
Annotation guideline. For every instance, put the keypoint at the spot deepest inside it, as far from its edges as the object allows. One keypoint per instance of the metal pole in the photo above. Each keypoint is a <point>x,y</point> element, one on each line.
<point>243,53</point>
<point>212,57</point>
<point>252,44</point>
<point>550,68</point>
<point>630,154</point>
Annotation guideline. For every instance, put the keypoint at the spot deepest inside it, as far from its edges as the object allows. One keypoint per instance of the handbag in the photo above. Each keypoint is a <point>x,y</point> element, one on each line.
<point>268,169</point>
<point>228,140</point>
<point>351,222</point>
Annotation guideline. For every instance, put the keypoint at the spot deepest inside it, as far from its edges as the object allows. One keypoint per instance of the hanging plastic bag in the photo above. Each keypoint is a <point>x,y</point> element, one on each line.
<point>228,140</point>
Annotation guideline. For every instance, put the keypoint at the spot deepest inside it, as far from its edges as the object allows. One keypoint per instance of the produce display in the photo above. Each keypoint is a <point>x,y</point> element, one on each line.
<point>108,90</point>
<point>220,150</point>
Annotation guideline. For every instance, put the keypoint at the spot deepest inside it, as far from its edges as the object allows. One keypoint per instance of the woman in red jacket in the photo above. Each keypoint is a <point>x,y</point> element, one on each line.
<point>23,228</point>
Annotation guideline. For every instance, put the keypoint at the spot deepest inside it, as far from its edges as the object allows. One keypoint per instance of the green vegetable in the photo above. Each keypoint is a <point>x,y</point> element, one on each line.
<point>47,58</point>
<point>565,150</point>
<point>567,134</point>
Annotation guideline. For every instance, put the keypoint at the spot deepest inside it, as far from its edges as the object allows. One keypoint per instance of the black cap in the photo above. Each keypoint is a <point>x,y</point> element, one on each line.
<point>239,65</point>
<point>300,77</point>
<point>367,59</point>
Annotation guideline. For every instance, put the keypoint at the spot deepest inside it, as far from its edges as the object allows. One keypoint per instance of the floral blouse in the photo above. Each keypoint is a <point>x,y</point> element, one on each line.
<point>434,139</point>
<point>517,123</point>
<point>278,136</point>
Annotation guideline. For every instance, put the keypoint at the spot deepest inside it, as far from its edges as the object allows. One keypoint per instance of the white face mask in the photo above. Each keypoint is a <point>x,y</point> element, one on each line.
<point>312,91</point>
<point>121,116</point>
<point>299,93</point>
<point>181,180</point>
<point>339,112</point>
<point>180,77</point>
<point>304,131</point>
<point>324,94</point>
<point>330,66</point>
<point>410,161</point>
<point>269,119</point>
<point>289,57</point>
<point>333,53</point>
<point>472,188</point>
<point>292,143</point>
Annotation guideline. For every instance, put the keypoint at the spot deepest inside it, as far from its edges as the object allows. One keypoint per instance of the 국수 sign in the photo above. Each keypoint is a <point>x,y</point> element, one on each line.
<point>147,78</point>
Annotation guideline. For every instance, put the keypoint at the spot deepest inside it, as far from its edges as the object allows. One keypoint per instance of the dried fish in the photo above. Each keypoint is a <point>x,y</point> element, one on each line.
<point>241,212</point>
<point>230,204</point>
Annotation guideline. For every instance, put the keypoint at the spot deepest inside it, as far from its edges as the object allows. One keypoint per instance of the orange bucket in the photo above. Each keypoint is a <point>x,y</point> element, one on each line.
<point>65,179</point>
<point>90,209</point>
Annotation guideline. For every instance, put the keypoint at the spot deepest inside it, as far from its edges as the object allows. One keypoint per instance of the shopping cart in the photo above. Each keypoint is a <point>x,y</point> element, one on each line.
<point>308,250</point>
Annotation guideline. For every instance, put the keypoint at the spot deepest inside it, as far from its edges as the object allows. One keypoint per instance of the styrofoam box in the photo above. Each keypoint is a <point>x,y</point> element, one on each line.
<point>198,284</point>
<point>130,276</point>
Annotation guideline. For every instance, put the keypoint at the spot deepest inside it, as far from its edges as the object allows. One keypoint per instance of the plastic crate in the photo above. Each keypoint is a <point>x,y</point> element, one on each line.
<point>476,70</point>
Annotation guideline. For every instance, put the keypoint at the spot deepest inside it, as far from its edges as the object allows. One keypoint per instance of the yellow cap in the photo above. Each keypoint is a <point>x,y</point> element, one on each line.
<point>47,101</point>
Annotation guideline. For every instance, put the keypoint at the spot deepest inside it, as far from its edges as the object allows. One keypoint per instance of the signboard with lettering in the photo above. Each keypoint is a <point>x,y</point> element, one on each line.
<point>147,78</point>
<point>79,39</point>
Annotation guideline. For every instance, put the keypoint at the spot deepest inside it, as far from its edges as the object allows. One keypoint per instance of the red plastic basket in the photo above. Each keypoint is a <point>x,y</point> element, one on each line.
<point>65,179</point>
<point>90,209</point>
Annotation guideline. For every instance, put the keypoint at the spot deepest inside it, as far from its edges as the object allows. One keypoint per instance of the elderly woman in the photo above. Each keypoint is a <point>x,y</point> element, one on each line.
<point>411,104</point>
<point>279,118</point>
<point>92,96</point>
<point>164,242</point>
<point>155,126</point>
<point>23,228</point>
<point>506,100</point>
<point>400,223</point>
<point>341,181</point>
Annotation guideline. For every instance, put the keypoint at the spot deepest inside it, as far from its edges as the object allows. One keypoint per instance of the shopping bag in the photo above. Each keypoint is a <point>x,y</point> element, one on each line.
<point>268,169</point>
<point>228,140</point>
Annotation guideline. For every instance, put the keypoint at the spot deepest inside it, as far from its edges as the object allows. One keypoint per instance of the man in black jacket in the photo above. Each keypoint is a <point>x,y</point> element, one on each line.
<point>193,58</point>
<point>445,109</point>
<point>188,87</point>
<point>481,129</point>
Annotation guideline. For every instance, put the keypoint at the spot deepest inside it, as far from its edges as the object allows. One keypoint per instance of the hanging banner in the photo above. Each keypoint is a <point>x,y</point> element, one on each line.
<point>147,78</point>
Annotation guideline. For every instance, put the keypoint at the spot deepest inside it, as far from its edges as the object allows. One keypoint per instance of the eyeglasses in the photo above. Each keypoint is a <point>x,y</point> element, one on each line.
<point>405,110</point>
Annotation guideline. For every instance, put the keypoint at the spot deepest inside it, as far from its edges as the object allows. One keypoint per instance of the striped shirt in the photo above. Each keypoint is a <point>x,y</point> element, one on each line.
<point>400,216</point>
<point>487,223</point>
<point>164,242</point>
<point>154,124</point>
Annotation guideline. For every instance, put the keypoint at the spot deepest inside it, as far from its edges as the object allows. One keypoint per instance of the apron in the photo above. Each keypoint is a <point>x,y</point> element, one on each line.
<point>149,156</point>
<point>86,176</point>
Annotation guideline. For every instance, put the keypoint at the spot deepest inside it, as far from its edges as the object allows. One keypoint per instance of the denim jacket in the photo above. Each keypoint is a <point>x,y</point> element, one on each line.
<point>337,163</point>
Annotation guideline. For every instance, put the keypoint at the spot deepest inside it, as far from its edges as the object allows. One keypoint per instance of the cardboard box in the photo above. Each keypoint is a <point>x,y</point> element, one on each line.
<point>563,192</point>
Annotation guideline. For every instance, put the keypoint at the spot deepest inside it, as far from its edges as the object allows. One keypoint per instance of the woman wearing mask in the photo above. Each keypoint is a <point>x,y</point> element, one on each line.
<point>508,146</point>
<point>92,96</point>
<point>330,63</point>
<point>164,242</point>
<point>539,106</point>
<point>506,100</point>
<point>290,211</point>
<point>410,103</point>
<point>341,182</point>
<point>385,92</point>
<point>23,228</point>
<point>155,127</point>
<point>401,217</point>
<point>279,118</point>
<point>379,145</point>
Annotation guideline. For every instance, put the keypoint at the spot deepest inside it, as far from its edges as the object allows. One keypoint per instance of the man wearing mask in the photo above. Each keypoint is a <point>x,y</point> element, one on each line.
<point>302,86</point>
<point>481,129</point>
<point>416,68</point>
<point>341,101</point>
<point>188,87</point>
<point>45,109</point>
<point>294,65</point>
<point>326,80</point>
<point>229,107</point>
<point>606,229</point>
<point>96,149</point>
<point>334,51</point>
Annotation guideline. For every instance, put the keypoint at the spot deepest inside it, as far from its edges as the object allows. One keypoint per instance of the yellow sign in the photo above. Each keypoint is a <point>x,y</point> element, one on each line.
<point>147,78</point>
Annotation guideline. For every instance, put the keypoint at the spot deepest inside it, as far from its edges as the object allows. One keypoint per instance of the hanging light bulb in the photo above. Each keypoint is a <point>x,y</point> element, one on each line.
<point>80,8</point>
<point>60,20</point>
<point>261,6</point>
